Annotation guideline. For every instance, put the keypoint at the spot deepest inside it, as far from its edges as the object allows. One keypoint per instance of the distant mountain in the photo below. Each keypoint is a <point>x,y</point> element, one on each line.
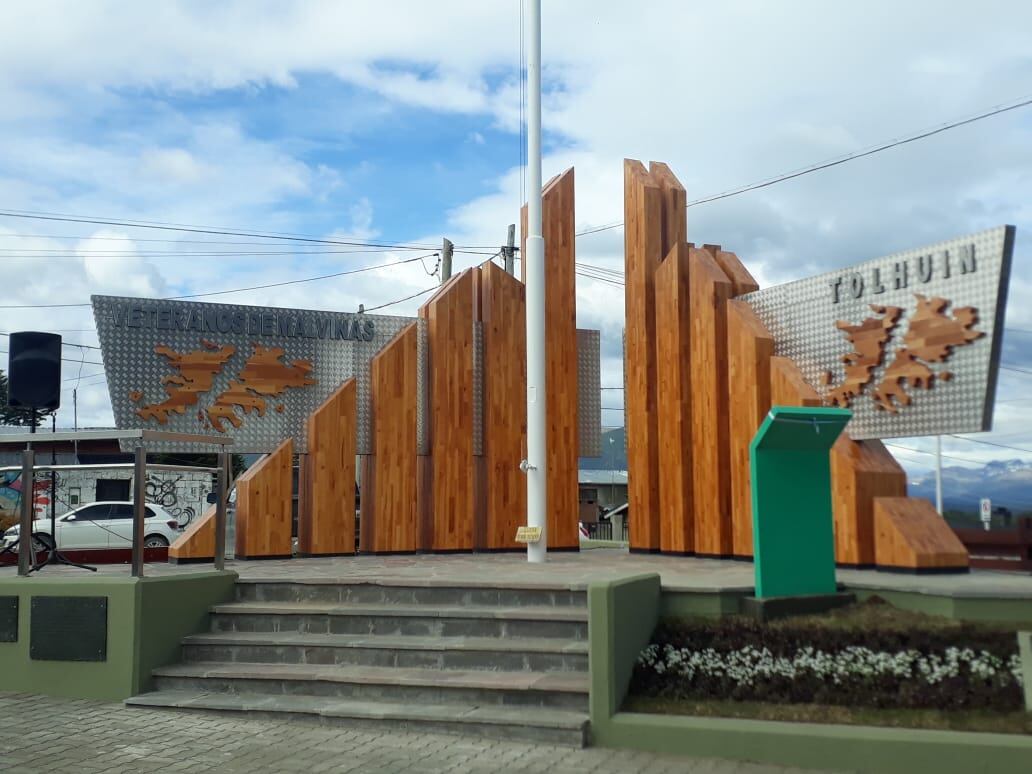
<point>1008,483</point>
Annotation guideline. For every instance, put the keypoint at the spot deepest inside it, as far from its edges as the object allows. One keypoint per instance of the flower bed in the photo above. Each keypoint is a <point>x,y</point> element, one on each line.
<point>898,665</point>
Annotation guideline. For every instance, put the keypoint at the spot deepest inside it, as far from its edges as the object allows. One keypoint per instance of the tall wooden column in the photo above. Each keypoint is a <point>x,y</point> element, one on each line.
<point>326,516</point>
<point>561,432</point>
<point>389,516</point>
<point>710,291</point>
<point>450,487</point>
<point>750,349</point>
<point>264,500</point>
<point>643,245</point>
<point>503,315</point>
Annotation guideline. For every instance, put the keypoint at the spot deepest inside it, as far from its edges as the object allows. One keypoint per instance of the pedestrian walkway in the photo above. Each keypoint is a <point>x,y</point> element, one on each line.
<point>42,734</point>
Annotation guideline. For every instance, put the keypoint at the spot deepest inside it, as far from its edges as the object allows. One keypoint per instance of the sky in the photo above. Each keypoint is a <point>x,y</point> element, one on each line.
<point>400,123</point>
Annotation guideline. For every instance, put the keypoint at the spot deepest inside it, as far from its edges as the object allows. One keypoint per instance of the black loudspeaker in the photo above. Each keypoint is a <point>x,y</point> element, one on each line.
<point>34,371</point>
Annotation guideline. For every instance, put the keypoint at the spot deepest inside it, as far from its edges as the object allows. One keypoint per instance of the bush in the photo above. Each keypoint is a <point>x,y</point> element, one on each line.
<point>960,666</point>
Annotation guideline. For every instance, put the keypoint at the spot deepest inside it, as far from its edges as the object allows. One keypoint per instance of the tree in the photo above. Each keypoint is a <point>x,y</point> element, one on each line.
<point>16,416</point>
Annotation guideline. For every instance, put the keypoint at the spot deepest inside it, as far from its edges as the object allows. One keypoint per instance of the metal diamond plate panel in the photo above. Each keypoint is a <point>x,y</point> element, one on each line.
<point>253,373</point>
<point>589,393</point>
<point>478,388</point>
<point>971,271</point>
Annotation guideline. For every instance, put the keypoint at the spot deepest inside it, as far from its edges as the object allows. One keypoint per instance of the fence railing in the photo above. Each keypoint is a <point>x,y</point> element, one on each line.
<point>139,440</point>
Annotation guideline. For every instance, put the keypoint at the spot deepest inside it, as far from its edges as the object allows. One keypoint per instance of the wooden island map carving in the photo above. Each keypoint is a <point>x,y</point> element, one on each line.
<point>263,376</point>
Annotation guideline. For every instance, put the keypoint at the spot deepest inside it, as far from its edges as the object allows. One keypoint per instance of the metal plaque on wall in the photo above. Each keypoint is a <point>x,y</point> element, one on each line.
<point>68,629</point>
<point>254,373</point>
<point>909,342</point>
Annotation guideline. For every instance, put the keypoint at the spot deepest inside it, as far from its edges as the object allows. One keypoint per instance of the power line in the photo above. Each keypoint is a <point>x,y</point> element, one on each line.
<point>241,290</point>
<point>944,456</point>
<point>991,443</point>
<point>64,343</point>
<point>65,359</point>
<point>1016,370</point>
<point>179,227</point>
<point>406,298</point>
<point>994,111</point>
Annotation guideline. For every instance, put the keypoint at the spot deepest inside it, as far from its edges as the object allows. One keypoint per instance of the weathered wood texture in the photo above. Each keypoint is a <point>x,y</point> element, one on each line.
<point>741,280</point>
<point>326,517</point>
<point>750,349</point>
<point>787,385</point>
<point>561,434</point>
<point>674,428</point>
<point>391,483</point>
<point>503,314</point>
<point>710,291</point>
<point>197,540</point>
<point>643,240</point>
<point>451,491</point>
<point>264,505</point>
<point>860,472</point>
<point>909,534</point>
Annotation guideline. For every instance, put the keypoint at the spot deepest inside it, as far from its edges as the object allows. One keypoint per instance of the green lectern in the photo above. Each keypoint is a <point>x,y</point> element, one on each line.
<point>793,537</point>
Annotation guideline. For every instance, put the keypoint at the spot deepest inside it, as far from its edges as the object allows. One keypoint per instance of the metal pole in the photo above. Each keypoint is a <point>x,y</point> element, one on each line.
<point>220,510</point>
<point>139,513</point>
<point>510,250</point>
<point>938,474</point>
<point>446,257</point>
<point>75,422</point>
<point>536,463</point>
<point>25,535</point>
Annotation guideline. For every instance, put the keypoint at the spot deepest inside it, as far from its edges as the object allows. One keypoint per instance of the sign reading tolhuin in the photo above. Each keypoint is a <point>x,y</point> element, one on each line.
<point>250,372</point>
<point>910,342</point>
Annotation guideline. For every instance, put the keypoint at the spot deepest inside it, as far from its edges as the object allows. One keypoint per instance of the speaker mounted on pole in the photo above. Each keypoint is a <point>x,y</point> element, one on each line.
<point>34,371</point>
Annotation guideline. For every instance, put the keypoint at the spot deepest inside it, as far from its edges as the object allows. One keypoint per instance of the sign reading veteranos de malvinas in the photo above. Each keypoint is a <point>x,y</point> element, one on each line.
<point>909,342</point>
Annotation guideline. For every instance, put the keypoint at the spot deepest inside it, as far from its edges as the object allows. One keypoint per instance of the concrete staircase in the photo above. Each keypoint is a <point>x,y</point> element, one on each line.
<point>508,663</point>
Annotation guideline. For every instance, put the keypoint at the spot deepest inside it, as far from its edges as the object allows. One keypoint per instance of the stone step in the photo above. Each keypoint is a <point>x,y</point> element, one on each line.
<point>540,654</point>
<point>548,726</point>
<point>569,622</point>
<point>449,594</point>
<point>393,685</point>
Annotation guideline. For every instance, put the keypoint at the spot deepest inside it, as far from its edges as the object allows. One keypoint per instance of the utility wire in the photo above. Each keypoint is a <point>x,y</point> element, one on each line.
<point>993,111</point>
<point>64,343</point>
<point>944,456</point>
<point>177,241</point>
<point>65,359</point>
<point>990,443</point>
<point>241,290</point>
<point>406,298</point>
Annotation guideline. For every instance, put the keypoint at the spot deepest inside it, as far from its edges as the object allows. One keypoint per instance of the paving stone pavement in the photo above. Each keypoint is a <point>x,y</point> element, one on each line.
<point>53,735</point>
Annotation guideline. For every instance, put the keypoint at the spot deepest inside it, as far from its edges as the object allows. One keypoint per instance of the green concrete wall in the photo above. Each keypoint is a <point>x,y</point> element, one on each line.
<point>622,615</point>
<point>1025,648</point>
<point>147,618</point>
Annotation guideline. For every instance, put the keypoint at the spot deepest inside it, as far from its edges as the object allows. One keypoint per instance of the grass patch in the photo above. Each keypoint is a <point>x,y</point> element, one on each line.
<point>982,721</point>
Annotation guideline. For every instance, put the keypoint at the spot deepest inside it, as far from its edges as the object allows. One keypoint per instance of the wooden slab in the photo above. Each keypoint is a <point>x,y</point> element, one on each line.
<point>860,472</point>
<point>451,491</point>
<point>558,228</point>
<point>710,291</point>
<point>197,542</point>
<point>326,522</point>
<point>264,506</point>
<point>390,486</point>
<point>503,314</point>
<point>910,535</point>
<point>674,402</point>
<point>741,280</point>
<point>643,240</point>
<point>750,348</point>
<point>787,385</point>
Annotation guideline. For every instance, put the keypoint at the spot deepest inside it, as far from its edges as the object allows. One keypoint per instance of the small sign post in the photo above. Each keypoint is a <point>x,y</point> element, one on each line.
<point>528,534</point>
<point>985,510</point>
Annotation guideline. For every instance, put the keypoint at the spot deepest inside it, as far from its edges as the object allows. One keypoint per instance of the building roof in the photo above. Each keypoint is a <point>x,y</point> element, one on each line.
<point>602,477</point>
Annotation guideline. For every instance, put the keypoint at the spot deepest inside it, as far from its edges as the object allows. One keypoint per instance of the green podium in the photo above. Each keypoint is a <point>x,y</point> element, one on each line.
<point>793,531</point>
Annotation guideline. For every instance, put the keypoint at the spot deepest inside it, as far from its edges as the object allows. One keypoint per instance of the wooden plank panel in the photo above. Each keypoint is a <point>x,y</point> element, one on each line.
<point>673,219</point>
<point>710,291</point>
<point>674,428</point>
<point>450,315</point>
<point>326,523</point>
<point>642,255</point>
<point>787,385</point>
<point>197,541</point>
<point>860,472</point>
<point>503,314</point>
<point>264,499</point>
<point>911,535</point>
<point>390,485</point>
<point>750,349</point>
<point>741,280</point>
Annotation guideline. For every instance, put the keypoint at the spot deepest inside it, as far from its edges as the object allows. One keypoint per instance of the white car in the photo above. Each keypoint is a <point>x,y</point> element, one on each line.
<point>104,524</point>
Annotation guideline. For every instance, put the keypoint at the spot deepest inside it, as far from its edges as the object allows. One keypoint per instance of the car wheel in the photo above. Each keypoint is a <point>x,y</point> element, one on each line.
<point>155,541</point>
<point>42,542</point>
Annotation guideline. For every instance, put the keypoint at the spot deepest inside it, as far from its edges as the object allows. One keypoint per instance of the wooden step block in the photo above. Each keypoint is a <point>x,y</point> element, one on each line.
<point>264,506</point>
<point>197,543</point>
<point>910,535</point>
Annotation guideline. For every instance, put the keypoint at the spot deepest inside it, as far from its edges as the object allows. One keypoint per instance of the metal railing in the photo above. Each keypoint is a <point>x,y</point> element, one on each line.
<point>139,467</point>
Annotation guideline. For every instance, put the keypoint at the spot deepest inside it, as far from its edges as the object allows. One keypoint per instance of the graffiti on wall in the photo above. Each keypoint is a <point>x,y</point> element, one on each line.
<point>165,492</point>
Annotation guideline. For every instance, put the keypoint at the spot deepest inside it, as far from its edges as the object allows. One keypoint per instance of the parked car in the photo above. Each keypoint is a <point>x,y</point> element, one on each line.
<point>105,524</point>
